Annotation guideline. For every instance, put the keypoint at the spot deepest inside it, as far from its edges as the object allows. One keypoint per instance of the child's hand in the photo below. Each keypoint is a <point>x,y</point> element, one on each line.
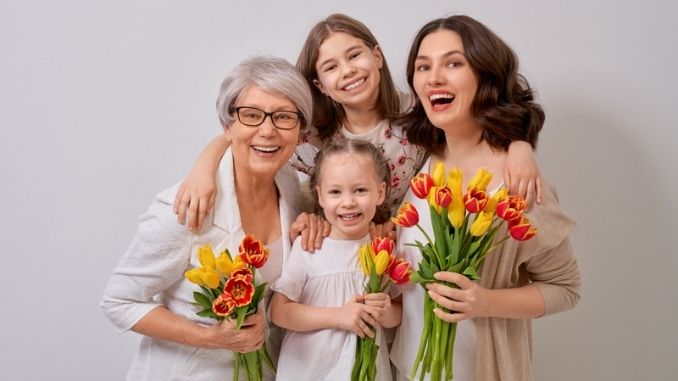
<point>195,199</point>
<point>521,173</point>
<point>248,338</point>
<point>381,302</point>
<point>313,230</point>
<point>386,230</point>
<point>356,317</point>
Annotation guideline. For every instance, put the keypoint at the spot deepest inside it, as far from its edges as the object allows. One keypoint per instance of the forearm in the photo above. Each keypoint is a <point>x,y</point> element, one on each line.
<point>299,317</point>
<point>163,324</point>
<point>525,302</point>
<point>209,158</point>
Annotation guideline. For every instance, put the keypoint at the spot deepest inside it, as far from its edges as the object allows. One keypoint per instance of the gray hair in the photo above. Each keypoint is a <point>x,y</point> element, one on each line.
<point>271,74</point>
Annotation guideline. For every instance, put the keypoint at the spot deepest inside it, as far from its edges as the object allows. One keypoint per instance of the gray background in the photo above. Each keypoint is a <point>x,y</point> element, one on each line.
<point>104,104</point>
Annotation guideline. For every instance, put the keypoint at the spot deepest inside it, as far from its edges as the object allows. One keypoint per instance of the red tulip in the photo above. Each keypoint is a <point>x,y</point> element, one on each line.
<point>223,304</point>
<point>253,252</point>
<point>521,229</point>
<point>443,197</point>
<point>421,184</point>
<point>475,200</point>
<point>407,215</point>
<point>511,207</point>
<point>385,243</point>
<point>244,273</point>
<point>240,289</point>
<point>400,271</point>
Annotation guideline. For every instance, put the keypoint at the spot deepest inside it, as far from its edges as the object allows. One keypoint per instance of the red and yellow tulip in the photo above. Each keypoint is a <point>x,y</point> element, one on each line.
<point>253,251</point>
<point>407,215</point>
<point>521,229</point>
<point>421,185</point>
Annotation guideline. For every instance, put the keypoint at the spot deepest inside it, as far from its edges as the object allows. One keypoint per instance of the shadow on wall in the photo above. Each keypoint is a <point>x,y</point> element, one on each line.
<point>609,185</point>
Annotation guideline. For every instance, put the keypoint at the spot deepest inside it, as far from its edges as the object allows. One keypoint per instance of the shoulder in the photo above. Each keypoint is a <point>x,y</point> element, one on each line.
<point>287,182</point>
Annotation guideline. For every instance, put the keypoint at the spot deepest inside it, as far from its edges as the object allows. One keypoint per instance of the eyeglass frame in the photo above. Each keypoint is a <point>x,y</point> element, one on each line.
<point>267,115</point>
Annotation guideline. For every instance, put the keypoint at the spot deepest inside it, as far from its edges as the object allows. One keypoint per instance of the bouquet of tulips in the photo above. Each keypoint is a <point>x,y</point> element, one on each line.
<point>464,229</point>
<point>381,268</point>
<point>228,290</point>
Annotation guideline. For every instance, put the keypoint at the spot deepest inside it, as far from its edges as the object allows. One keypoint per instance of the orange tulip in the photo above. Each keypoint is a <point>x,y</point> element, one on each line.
<point>399,271</point>
<point>240,289</point>
<point>475,200</point>
<point>244,273</point>
<point>511,207</point>
<point>521,229</point>
<point>421,184</point>
<point>253,252</point>
<point>223,304</point>
<point>407,215</point>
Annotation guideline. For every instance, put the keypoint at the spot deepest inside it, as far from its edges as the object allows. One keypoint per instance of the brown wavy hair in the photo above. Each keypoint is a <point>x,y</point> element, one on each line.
<point>503,106</point>
<point>328,115</point>
<point>355,147</point>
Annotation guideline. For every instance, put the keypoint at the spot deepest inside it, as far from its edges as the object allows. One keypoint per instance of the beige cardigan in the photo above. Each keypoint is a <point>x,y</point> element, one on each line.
<point>504,346</point>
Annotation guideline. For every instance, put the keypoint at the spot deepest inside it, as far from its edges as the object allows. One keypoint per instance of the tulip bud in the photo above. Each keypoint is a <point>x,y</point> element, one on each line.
<point>443,197</point>
<point>421,185</point>
<point>481,224</point>
<point>206,256</point>
<point>407,215</point>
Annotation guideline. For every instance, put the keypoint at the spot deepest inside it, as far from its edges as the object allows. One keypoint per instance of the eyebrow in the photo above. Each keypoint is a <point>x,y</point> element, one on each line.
<point>352,47</point>
<point>448,54</point>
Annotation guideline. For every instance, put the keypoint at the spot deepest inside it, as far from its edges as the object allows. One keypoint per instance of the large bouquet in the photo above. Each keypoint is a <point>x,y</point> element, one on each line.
<point>381,268</point>
<point>464,229</point>
<point>228,290</point>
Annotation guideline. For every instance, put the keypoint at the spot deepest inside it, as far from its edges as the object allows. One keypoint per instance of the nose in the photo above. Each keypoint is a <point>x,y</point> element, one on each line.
<point>266,128</point>
<point>348,200</point>
<point>348,69</point>
<point>435,76</point>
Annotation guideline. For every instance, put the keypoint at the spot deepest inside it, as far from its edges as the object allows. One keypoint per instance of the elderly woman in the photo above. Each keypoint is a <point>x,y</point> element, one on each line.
<point>262,105</point>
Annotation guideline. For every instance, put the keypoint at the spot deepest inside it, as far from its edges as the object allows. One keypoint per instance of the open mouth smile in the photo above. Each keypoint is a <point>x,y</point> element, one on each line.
<point>353,85</point>
<point>440,101</point>
<point>266,149</point>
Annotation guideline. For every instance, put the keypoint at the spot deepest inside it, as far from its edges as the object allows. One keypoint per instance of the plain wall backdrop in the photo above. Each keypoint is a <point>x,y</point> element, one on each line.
<point>103,104</point>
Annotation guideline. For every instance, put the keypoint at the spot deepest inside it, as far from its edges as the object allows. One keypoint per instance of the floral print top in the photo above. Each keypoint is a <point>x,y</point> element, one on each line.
<point>404,159</point>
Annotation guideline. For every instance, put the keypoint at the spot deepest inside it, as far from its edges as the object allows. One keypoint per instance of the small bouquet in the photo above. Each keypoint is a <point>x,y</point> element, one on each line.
<point>376,260</point>
<point>228,290</point>
<point>464,229</point>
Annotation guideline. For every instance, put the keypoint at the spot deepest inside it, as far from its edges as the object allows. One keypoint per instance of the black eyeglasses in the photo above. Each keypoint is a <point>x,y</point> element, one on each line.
<point>254,117</point>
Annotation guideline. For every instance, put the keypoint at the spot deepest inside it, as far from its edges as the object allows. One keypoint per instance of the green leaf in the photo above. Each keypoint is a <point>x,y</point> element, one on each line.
<point>471,272</point>
<point>241,312</point>
<point>208,313</point>
<point>258,293</point>
<point>203,300</point>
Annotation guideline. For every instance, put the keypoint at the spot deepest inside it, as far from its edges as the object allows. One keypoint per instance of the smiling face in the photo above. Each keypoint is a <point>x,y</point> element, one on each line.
<point>349,192</point>
<point>444,81</point>
<point>348,71</point>
<point>261,151</point>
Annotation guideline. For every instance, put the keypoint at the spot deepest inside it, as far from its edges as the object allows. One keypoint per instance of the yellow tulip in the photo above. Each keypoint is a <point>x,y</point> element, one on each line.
<point>381,262</point>
<point>456,209</point>
<point>193,276</point>
<point>438,175</point>
<point>210,277</point>
<point>494,200</point>
<point>480,180</point>
<point>481,224</point>
<point>365,254</point>
<point>206,256</point>
<point>432,198</point>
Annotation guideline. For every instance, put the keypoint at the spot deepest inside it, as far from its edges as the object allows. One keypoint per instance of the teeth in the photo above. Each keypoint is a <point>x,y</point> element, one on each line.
<point>354,85</point>
<point>434,97</point>
<point>266,149</point>
<point>349,216</point>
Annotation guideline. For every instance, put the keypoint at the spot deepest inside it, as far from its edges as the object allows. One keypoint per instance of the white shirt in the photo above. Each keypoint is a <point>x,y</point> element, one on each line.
<point>151,273</point>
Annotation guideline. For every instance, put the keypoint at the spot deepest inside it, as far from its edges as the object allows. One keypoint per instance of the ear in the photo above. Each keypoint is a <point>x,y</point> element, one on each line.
<point>320,199</point>
<point>378,56</point>
<point>382,193</point>
<point>319,85</point>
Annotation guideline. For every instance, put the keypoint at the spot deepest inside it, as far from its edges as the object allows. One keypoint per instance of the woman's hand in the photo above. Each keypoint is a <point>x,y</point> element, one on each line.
<point>356,317</point>
<point>521,173</point>
<point>313,230</point>
<point>467,301</point>
<point>248,338</point>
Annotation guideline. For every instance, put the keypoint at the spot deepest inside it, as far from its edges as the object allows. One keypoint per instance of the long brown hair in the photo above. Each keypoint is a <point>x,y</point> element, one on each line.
<point>355,147</point>
<point>328,115</point>
<point>503,106</point>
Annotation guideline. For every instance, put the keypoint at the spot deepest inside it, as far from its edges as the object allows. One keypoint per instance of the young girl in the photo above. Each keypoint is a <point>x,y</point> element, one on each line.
<point>470,103</point>
<point>354,98</point>
<point>318,298</point>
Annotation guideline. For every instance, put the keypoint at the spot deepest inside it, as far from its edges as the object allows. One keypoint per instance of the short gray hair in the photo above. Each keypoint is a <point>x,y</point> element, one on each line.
<point>271,74</point>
